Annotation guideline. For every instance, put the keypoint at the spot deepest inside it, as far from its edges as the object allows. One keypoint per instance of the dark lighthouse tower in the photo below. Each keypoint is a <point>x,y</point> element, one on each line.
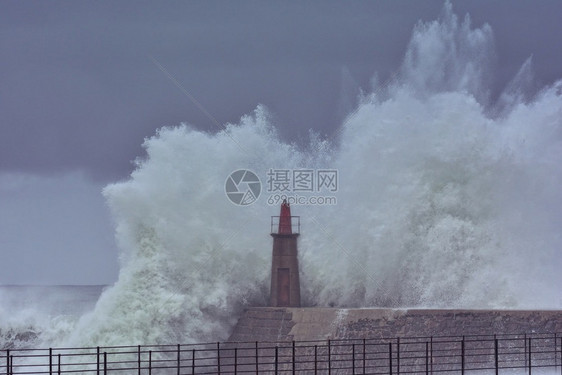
<point>285,284</point>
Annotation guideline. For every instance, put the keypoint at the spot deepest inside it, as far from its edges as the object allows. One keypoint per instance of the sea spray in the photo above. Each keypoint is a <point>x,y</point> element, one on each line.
<point>191,259</point>
<point>35,316</point>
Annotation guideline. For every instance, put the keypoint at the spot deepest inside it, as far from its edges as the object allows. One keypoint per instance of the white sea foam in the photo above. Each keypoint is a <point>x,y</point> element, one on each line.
<point>36,316</point>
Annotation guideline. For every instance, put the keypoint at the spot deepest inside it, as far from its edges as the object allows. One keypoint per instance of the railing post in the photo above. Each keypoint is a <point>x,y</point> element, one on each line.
<point>8,372</point>
<point>98,360</point>
<point>104,363</point>
<point>315,359</point>
<point>219,357</point>
<point>526,349</point>
<point>257,358</point>
<point>193,361</point>
<point>555,351</point>
<point>431,353</point>
<point>276,358</point>
<point>329,357</point>
<point>530,357</point>
<point>50,361</point>
<point>496,355</point>
<point>150,362</point>
<point>560,355</point>
<point>390,358</point>
<point>398,355</point>
<point>293,357</point>
<point>139,360</point>
<point>235,361</point>
<point>179,359</point>
<point>462,356</point>
<point>427,358</point>
<point>364,356</point>
<point>58,369</point>
<point>353,358</point>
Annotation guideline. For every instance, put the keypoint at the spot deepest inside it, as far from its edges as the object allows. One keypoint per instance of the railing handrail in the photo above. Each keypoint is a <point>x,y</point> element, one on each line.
<point>385,355</point>
<point>369,340</point>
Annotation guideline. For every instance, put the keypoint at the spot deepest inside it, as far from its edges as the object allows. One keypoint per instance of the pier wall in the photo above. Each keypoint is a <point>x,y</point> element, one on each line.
<point>287,324</point>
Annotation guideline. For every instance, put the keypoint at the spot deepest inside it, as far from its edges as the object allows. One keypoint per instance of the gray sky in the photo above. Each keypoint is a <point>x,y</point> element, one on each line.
<point>79,93</point>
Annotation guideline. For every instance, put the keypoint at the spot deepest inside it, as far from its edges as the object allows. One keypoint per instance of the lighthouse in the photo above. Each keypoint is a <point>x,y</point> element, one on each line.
<point>285,284</point>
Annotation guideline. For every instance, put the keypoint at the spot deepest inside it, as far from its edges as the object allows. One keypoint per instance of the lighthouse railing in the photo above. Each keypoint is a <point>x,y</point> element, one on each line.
<point>295,224</point>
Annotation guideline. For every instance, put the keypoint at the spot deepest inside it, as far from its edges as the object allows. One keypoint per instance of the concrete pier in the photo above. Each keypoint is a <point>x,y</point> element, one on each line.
<point>287,324</point>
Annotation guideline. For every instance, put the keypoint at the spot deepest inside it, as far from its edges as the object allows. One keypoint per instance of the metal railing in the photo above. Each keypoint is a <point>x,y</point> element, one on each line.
<point>513,354</point>
<point>295,224</point>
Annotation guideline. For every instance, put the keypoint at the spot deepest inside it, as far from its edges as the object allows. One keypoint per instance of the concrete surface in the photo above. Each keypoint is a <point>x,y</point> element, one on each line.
<point>287,324</point>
